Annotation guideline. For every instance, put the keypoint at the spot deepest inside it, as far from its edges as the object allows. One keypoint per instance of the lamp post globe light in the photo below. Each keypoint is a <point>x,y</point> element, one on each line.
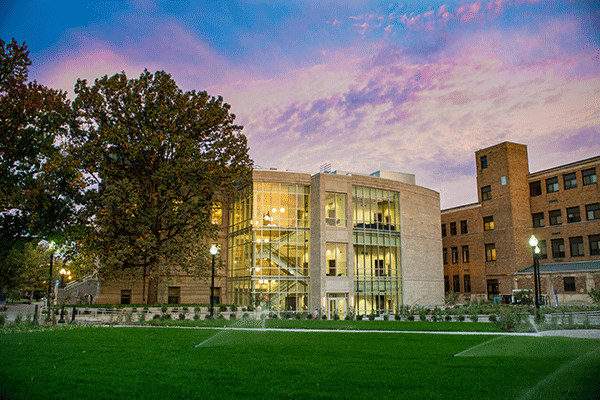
<point>213,251</point>
<point>533,242</point>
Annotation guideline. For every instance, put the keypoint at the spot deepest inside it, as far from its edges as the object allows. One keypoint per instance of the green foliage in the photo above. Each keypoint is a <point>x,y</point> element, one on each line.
<point>156,158</point>
<point>594,295</point>
<point>452,297</point>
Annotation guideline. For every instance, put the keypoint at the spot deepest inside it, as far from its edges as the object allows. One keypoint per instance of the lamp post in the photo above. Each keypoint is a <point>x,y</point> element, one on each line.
<point>213,252</point>
<point>533,242</point>
<point>51,247</point>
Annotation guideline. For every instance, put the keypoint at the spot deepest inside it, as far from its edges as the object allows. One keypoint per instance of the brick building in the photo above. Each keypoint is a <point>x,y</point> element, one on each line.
<point>486,243</point>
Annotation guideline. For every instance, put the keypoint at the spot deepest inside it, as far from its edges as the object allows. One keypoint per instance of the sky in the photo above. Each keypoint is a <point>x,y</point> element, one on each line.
<point>414,87</point>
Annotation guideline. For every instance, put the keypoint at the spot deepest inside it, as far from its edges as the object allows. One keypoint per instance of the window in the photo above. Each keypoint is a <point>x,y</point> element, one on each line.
<point>125,296</point>
<point>488,223</point>
<point>490,252</point>
<point>443,230</point>
<point>484,163</point>
<point>535,188</point>
<point>173,294</point>
<point>336,256</point>
<point>454,255</point>
<point>463,228</point>
<point>570,181</point>
<point>569,282</point>
<point>552,185</point>
<point>456,283</point>
<point>335,209</point>
<point>576,244</point>
<point>467,281</point>
<point>555,217</point>
<point>558,248</point>
<point>589,176</point>
<point>594,245</point>
<point>592,211</point>
<point>217,296</point>
<point>573,215</point>
<point>446,283</point>
<point>538,220</point>
<point>543,254</point>
<point>465,254</point>
<point>486,193</point>
<point>216,214</point>
<point>452,228</point>
<point>503,180</point>
<point>445,255</point>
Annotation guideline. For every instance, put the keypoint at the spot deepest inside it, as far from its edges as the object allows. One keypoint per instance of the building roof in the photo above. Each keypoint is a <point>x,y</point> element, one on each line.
<point>579,266</point>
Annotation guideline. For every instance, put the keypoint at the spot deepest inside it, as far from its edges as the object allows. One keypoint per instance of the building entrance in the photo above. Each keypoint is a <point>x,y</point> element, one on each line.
<point>337,303</point>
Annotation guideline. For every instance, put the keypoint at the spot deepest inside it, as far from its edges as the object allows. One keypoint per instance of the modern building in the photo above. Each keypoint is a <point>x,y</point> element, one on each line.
<point>331,241</point>
<point>486,250</point>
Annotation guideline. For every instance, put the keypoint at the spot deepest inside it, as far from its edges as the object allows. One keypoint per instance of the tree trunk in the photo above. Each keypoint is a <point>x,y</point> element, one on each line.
<point>153,291</point>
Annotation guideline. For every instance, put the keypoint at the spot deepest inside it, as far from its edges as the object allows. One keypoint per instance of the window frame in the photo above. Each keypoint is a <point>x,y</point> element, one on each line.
<point>456,283</point>
<point>573,215</point>
<point>486,193</point>
<point>590,178</point>
<point>558,248</point>
<point>594,209</point>
<point>552,185</point>
<point>570,285</point>
<point>444,233</point>
<point>453,230</point>
<point>490,252</point>
<point>594,245</point>
<point>570,180</point>
<point>465,254</point>
<point>338,220</point>
<point>454,252</point>
<point>483,161</point>
<point>467,283</point>
<point>538,222</point>
<point>464,228</point>
<point>576,243</point>
<point>555,217</point>
<point>488,223</point>
<point>535,188</point>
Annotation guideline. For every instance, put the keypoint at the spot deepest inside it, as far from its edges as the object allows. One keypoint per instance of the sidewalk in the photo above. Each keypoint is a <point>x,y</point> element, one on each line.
<point>16,308</point>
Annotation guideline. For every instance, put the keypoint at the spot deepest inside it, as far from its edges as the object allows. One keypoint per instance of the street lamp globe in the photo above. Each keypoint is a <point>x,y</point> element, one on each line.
<point>533,241</point>
<point>214,250</point>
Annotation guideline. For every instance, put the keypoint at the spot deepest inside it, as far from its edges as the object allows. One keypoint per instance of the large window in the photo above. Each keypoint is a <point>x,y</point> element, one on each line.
<point>538,220</point>
<point>558,248</point>
<point>125,296</point>
<point>377,267</point>
<point>216,215</point>
<point>592,211</point>
<point>446,283</point>
<point>173,294</point>
<point>573,215</point>
<point>570,181</point>
<point>269,238</point>
<point>486,193</point>
<point>455,255</point>
<point>467,281</point>
<point>443,230</point>
<point>576,244</point>
<point>490,252</point>
<point>463,228</point>
<point>335,209</point>
<point>456,283</point>
<point>535,188</point>
<point>488,223</point>
<point>594,245</point>
<point>445,255</point>
<point>552,185</point>
<point>335,257</point>
<point>589,176</point>
<point>555,217</point>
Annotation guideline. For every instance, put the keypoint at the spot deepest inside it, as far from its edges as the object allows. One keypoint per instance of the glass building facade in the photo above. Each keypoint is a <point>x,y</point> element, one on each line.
<point>269,247</point>
<point>377,250</point>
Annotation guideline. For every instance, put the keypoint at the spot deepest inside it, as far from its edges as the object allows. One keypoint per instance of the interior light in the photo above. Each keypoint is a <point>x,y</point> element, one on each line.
<point>282,209</point>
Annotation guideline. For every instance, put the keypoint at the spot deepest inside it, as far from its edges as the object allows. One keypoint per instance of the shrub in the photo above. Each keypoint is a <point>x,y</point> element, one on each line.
<point>223,308</point>
<point>595,295</point>
<point>386,317</point>
<point>196,317</point>
<point>163,309</point>
<point>410,317</point>
<point>474,317</point>
<point>493,318</point>
<point>181,316</point>
<point>448,317</point>
<point>232,316</point>
<point>156,316</point>
<point>2,319</point>
<point>18,319</point>
<point>372,316</point>
<point>461,318</point>
<point>336,316</point>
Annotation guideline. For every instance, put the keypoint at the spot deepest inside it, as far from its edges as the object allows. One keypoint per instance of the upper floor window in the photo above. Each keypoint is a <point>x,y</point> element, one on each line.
<point>335,256</point>
<point>456,283</point>
<point>335,209</point>
<point>488,223</point>
<point>594,245</point>
<point>592,211</point>
<point>538,220</point>
<point>552,185</point>
<point>467,280</point>
<point>570,180</point>
<point>454,255</point>
<point>576,244</point>
<point>484,163</point>
<point>555,217</point>
<point>443,230</point>
<point>543,254</point>
<point>216,213</point>
<point>535,188</point>
<point>573,214</point>
<point>486,193</point>
<point>558,248</point>
<point>463,228</point>
<point>452,228</point>
<point>589,176</point>
<point>490,252</point>
<point>465,254</point>
<point>445,255</point>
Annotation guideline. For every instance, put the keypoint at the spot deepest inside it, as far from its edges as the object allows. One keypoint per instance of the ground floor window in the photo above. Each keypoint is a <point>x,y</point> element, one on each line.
<point>125,296</point>
<point>173,294</point>
<point>594,245</point>
<point>467,279</point>
<point>456,283</point>
<point>446,283</point>
<point>493,288</point>
<point>569,282</point>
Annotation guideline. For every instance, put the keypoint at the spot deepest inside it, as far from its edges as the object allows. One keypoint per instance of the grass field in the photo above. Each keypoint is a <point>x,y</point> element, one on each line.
<point>162,363</point>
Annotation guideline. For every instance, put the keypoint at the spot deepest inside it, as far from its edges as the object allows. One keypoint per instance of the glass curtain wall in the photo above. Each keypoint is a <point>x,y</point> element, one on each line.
<point>377,269</point>
<point>269,247</point>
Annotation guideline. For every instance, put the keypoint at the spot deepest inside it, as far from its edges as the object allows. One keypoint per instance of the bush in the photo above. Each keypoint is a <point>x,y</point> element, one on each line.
<point>474,317</point>
<point>461,318</point>
<point>232,316</point>
<point>493,318</point>
<point>448,317</point>
<point>410,317</point>
<point>372,316</point>
<point>181,316</point>
<point>196,317</point>
<point>2,319</point>
<point>595,295</point>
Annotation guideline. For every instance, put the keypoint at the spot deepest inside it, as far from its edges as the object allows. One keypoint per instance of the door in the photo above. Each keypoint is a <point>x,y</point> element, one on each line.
<point>337,305</point>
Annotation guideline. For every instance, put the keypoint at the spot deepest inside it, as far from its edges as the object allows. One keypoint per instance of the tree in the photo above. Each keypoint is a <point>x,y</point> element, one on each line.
<point>156,159</point>
<point>38,184</point>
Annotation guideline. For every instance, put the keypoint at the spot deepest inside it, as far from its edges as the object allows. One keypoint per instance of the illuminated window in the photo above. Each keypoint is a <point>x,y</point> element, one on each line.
<point>488,223</point>
<point>465,254</point>
<point>486,193</point>
<point>490,252</point>
<point>335,256</point>
<point>454,255</point>
<point>216,216</point>
<point>335,209</point>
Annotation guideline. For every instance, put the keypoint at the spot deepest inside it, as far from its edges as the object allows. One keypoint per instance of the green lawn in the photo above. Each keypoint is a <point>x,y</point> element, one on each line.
<point>150,363</point>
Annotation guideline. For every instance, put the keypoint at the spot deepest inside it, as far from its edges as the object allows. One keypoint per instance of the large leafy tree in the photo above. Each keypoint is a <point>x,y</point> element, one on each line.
<point>156,158</point>
<point>38,184</point>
